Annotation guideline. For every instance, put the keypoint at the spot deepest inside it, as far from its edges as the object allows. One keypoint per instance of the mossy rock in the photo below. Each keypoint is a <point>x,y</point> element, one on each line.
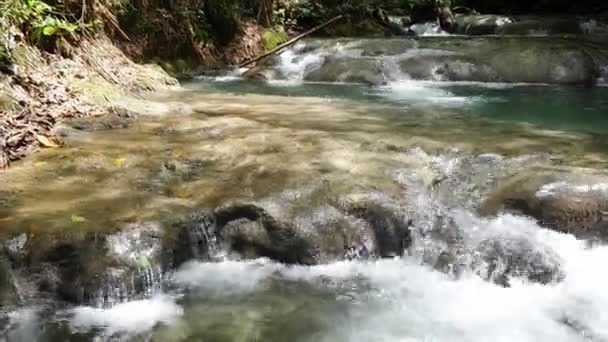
<point>25,55</point>
<point>176,67</point>
<point>273,38</point>
<point>6,102</point>
<point>154,81</point>
<point>100,91</point>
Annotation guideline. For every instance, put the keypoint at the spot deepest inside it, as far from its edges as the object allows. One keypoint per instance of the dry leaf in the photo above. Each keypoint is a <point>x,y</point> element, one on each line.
<point>45,141</point>
<point>178,152</point>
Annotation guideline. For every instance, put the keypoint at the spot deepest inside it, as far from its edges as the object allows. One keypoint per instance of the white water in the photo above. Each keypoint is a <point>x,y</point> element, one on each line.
<point>131,317</point>
<point>423,92</point>
<point>406,301</point>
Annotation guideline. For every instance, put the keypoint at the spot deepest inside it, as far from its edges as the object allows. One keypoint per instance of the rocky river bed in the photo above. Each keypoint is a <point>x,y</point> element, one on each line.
<point>309,208</point>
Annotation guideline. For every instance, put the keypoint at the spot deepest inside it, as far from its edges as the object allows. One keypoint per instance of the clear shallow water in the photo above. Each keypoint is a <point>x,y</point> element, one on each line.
<point>552,107</point>
<point>261,139</point>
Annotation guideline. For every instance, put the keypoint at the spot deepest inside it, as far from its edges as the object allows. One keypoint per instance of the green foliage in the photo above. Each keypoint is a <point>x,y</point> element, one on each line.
<point>202,27</point>
<point>38,20</point>
<point>23,12</point>
<point>51,26</point>
<point>223,16</point>
<point>273,38</point>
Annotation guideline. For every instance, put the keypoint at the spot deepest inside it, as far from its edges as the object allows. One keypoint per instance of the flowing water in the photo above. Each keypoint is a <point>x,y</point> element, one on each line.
<point>222,139</point>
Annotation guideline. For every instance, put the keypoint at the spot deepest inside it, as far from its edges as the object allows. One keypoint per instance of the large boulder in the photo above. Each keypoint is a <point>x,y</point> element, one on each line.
<point>547,60</point>
<point>103,271</point>
<point>501,259</point>
<point>439,67</point>
<point>298,229</point>
<point>348,70</point>
<point>99,269</point>
<point>571,204</point>
<point>504,60</point>
<point>541,63</point>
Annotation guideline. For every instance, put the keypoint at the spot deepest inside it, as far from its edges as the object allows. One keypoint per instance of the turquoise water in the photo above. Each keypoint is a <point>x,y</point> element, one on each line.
<point>552,107</point>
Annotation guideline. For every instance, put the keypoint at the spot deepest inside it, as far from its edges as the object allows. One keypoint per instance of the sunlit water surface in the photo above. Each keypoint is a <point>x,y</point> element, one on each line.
<point>251,140</point>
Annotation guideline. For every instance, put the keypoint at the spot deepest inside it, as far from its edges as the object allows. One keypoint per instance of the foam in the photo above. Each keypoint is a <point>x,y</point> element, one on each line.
<point>130,317</point>
<point>411,302</point>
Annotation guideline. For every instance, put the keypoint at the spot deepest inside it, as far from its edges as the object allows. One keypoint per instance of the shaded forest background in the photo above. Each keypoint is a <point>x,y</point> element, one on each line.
<point>195,30</point>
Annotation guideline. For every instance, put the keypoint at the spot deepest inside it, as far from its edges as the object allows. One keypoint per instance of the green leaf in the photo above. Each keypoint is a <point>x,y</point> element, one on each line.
<point>119,161</point>
<point>49,30</point>
<point>144,262</point>
<point>77,219</point>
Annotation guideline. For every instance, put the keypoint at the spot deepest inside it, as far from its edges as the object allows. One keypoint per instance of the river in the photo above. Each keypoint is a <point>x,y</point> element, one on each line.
<point>441,154</point>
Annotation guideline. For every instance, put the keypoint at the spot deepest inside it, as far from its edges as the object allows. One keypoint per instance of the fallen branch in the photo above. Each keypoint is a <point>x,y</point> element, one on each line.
<point>290,42</point>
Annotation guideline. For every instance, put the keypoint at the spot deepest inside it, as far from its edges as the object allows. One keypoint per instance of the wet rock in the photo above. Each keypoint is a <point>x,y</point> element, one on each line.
<point>548,60</point>
<point>390,226</point>
<point>497,250</point>
<point>8,293</point>
<point>94,269</point>
<point>347,69</point>
<point>527,63</point>
<point>581,209</point>
<point>185,169</point>
<point>543,64</point>
<point>108,122</point>
<point>110,270</point>
<point>261,73</point>
<point>246,226</point>
<point>479,24</point>
<point>15,247</point>
<point>298,229</point>
<point>501,259</point>
<point>570,204</point>
<point>245,229</point>
<point>541,26</point>
<point>195,237</point>
<point>447,67</point>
